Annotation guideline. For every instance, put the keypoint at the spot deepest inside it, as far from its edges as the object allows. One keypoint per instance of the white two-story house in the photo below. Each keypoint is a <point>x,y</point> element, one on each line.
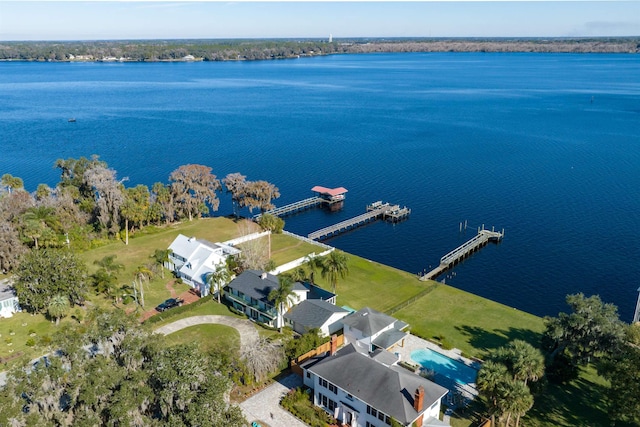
<point>192,259</point>
<point>363,389</point>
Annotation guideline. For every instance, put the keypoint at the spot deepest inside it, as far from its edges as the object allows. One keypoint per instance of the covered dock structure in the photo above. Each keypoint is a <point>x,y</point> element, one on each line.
<point>324,196</point>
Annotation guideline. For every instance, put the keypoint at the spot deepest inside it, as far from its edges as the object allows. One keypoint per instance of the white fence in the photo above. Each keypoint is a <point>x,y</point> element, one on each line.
<point>242,239</point>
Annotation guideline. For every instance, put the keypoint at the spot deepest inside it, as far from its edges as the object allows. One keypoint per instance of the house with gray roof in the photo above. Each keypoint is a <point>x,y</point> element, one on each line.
<point>363,389</point>
<point>316,313</point>
<point>249,293</point>
<point>8,299</point>
<point>192,260</point>
<point>370,329</point>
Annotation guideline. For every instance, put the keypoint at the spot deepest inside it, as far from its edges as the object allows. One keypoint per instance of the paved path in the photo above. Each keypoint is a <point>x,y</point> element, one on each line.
<point>265,405</point>
<point>247,330</point>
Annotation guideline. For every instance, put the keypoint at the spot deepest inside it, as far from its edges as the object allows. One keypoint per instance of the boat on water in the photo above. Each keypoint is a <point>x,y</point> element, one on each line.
<point>72,120</point>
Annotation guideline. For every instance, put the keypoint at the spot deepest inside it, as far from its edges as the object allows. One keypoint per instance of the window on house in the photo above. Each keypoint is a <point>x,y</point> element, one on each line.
<point>387,420</point>
<point>380,416</point>
<point>333,388</point>
<point>308,374</point>
<point>370,425</point>
<point>323,399</point>
<point>323,382</point>
<point>332,405</point>
<point>350,397</point>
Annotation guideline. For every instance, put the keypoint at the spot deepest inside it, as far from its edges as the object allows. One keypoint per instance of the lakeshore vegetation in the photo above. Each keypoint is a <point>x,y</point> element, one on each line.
<point>114,235</point>
<point>261,49</point>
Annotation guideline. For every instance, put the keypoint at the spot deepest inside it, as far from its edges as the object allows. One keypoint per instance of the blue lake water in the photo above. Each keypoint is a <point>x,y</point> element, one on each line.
<point>546,146</point>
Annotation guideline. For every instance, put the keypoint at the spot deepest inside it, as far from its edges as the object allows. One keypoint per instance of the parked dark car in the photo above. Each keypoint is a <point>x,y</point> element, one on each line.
<point>170,303</point>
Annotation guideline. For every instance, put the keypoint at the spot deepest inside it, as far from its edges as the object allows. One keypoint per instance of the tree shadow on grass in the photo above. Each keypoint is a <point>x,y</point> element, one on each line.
<point>485,340</point>
<point>578,403</point>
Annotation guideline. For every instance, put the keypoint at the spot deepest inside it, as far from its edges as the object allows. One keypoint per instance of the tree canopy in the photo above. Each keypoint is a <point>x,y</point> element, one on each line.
<point>48,272</point>
<point>134,378</point>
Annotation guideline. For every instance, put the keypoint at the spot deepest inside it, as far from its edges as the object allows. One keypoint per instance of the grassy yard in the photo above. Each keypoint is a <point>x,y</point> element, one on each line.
<point>468,322</point>
<point>218,338</point>
<point>370,284</point>
<point>15,333</point>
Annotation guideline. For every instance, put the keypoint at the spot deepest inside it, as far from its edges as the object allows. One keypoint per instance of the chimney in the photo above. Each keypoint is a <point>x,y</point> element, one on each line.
<point>263,275</point>
<point>418,401</point>
<point>334,345</point>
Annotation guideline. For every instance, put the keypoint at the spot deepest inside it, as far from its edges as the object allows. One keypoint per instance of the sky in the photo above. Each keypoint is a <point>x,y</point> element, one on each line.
<point>94,20</point>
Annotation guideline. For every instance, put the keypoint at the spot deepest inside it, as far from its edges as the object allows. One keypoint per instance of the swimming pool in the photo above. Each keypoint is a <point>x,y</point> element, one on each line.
<point>445,366</point>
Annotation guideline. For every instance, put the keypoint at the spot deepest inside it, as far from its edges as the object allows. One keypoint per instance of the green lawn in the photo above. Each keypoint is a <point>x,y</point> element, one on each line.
<point>468,322</point>
<point>370,284</point>
<point>219,338</point>
<point>16,331</point>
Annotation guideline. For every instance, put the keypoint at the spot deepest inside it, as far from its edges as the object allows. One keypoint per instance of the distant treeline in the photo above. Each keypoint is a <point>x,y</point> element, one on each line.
<point>226,50</point>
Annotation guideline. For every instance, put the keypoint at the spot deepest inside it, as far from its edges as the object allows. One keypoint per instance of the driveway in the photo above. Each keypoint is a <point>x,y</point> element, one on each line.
<point>265,405</point>
<point>247,330</point>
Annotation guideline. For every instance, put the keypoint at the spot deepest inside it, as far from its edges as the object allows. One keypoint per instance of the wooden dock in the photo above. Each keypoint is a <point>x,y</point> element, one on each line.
<point>375,210</point>
<point>461,252</point>
<point>327,196</point>
<point>300,205</point>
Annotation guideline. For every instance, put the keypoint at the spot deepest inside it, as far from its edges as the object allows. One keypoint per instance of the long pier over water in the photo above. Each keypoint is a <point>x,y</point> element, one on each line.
<point>374,211</point>
<point>461,252</point>
<point>329,196</point>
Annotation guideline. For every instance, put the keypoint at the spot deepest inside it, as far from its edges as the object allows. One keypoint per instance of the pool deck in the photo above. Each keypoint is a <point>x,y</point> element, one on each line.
<point>412,343</point>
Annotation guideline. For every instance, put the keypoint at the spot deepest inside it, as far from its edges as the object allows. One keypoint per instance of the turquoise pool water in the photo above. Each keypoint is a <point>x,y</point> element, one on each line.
<point>445,366</point>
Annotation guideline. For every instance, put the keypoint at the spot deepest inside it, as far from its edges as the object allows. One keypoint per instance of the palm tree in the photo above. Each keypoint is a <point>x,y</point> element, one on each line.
<point>298,274</point>
<point>142,274</point>
<point>218,279</point>
<point>161,257</point>
<point>333,266</point>
<point>40,219</point>
<point>58,307</point>
<point>281,296</point>
<point>109,264</point>
<point>527,362</point>
<point>104,282</point>
<point>490,377</point>
<point>314,263</point>
<point>513,398</point>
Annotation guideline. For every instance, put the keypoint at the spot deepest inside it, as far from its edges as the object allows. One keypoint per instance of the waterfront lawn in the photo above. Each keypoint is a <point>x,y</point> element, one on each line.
<point>468,322</point>
<point>371,284</point>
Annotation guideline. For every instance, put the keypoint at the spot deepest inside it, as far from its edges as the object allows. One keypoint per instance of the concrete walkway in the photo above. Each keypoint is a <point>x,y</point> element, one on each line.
<point>264,407</point>
<point>247,330</point>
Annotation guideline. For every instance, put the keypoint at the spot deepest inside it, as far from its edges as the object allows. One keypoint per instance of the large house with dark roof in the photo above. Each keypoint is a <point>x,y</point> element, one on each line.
<point>363,389</point>
<point>249,292</point>
<point>192,260</point>
<point>369,329</point>
<point>316,313</point>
